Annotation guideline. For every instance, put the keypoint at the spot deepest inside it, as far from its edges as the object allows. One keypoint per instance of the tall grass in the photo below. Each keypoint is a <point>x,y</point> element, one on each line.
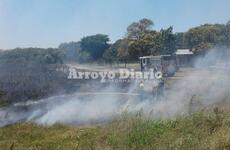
<point>203,130</point>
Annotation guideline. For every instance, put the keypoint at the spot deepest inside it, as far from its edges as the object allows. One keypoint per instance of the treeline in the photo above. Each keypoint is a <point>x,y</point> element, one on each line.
<point>32,55</point>
<point>204,37</point>
<point>140,39</point>
<point>29,73</point>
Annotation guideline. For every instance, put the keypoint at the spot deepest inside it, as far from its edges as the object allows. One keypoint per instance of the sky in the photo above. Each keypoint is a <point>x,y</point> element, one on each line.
<point>47,23</point>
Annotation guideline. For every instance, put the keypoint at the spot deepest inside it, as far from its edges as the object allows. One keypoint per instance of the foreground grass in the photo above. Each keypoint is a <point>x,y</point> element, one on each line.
<point>203,130</point>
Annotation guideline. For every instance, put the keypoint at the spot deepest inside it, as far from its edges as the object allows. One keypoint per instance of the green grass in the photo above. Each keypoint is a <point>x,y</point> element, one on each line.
<point>209,129</point>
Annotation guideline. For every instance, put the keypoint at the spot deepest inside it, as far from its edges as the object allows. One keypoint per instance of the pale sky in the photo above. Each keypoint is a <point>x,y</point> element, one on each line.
<point>47,23</point>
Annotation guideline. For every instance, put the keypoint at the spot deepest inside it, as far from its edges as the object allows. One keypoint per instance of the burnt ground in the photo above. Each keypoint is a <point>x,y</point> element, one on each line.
<point>90,89</point>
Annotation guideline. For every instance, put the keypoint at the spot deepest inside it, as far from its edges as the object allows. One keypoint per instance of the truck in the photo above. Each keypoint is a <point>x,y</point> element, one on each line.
<point>166,64</point>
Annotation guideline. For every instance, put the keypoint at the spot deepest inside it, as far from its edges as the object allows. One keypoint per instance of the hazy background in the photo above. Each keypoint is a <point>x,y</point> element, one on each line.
<point>47,23</point>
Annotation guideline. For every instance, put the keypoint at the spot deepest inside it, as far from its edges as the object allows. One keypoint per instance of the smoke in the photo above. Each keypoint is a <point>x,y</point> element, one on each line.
<point>81,112</point>
<point>207,83</point>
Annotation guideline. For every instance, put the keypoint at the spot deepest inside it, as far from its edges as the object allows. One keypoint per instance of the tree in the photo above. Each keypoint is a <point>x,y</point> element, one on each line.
<point>71,50</point>
<point>135,29</point>
<point>122,51</point>
<point>204,37</point>
<point>167,41</point>
<point>95,45</point>
<point>225,39</point>
<point>179,40</point>
<point>147,44</point>
<point>141,39</point>
<point>110,55</point>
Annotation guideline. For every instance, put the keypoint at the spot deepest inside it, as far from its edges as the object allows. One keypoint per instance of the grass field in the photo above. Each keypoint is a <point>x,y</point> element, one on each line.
<point>208,129</point>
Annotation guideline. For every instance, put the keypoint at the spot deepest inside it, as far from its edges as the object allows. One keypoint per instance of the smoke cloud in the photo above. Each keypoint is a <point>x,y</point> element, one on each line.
<point>207,83</point>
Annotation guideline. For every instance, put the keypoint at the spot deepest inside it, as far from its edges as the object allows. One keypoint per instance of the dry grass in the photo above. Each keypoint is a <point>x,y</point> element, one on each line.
<point>204,130</point>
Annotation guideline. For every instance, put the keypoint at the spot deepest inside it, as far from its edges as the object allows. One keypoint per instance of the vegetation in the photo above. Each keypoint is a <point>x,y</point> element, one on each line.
<point>140,39</point>
<point>34,67</point>
<point>71,50</point>
<point>204,130</point>
<point>30,74</point>
<point>32,55</point>
<point>95,45</point>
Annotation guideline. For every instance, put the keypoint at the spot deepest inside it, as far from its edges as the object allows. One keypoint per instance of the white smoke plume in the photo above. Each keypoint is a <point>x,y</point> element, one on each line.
<point>207,83</point>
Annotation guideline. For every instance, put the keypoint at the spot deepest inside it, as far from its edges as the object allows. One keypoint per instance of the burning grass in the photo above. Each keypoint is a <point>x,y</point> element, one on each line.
<point>208,129</point>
